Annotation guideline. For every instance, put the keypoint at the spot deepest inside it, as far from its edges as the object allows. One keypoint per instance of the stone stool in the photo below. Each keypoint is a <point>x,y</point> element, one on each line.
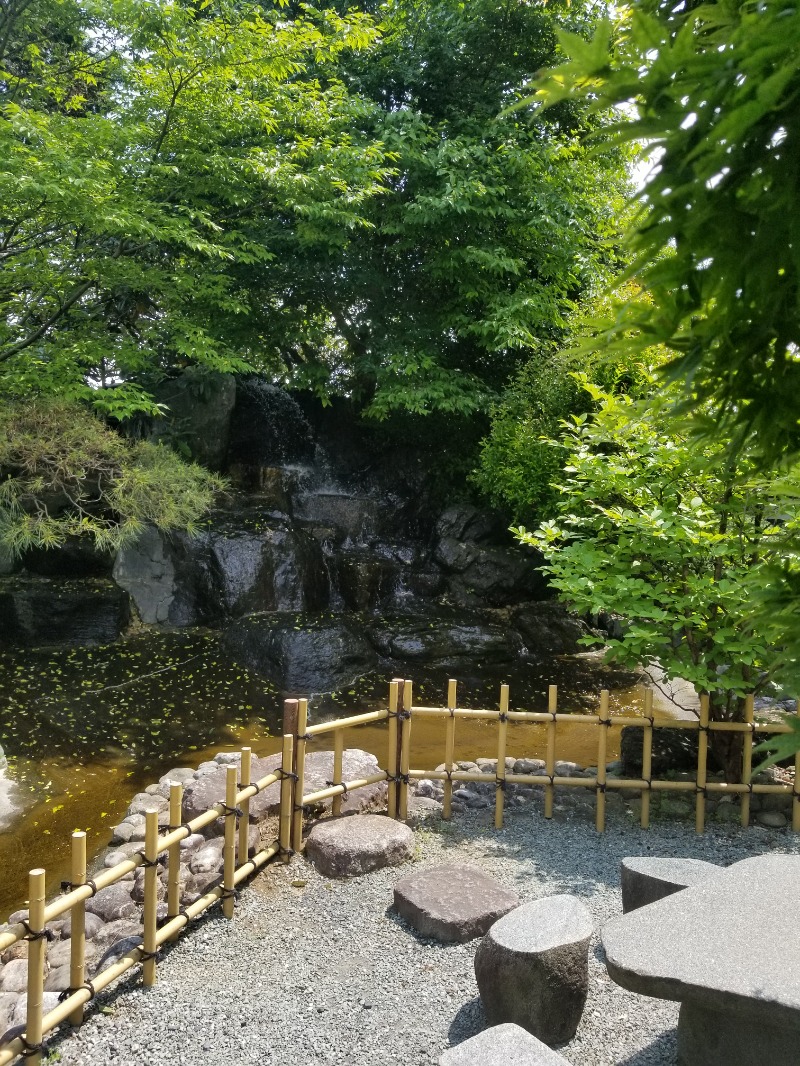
<point>647,878</point>
<point>532,967</point>
<point>502,1045</point>
<point>358,843</point>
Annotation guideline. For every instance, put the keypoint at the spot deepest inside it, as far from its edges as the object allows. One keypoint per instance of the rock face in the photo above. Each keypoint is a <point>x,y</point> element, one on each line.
<point>646,879</point>
<point>37,611</point>
<point>502,1045</point>
<point>200,404</point>
<point>452,904</point>
<point>532,967</point>
<point>347,847</point>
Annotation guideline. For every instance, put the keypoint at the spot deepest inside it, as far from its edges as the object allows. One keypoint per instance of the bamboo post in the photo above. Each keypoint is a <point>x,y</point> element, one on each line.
<point>287,797</point>
<point>550,756</point>
<point>405,750</point>
<point>77,943</point>
<point>500,773</point>
<point>647,756</point>
<point>36,958</point>
<point>229,847</point>
<point>796,786</point>
<point>174,853</point>
<point>244,821</point>
<point>393,767</point>
<point>702,763</point>
<point>291,710</point>
<point>299,785</point>
<point>747,761</point>
<point>602,758</point>
<point>338,751</point>
<point>150,897</point>
<point>449,747</point>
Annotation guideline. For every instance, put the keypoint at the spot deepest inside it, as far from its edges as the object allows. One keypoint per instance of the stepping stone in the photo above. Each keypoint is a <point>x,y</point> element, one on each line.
<point>647,878</point>
<point>452,904</point>
<point>502,1045</point>
<point>532,967</point>
<point>347,847</point>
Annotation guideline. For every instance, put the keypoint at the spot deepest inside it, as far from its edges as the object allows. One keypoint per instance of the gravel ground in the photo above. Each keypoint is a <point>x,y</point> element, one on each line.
<point>327,973</point>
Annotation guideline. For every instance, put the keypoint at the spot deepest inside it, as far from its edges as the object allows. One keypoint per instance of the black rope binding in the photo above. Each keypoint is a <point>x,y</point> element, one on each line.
<point>39,934</point>
<point>286,775</point>
<point>253,784</point>
<point>71,991</point>
<point>500,782</point>
<point>303,736</point>
<point>287,852</point>
<point>502,717</point>
<point>146,956</point>
<point>229,893</point>
<point>28,1049</point>
<point>67,886</point>
<point>183,825</point>
<point>237,811</point>
<point>601,787</point>
<point>339,784</point>
<point>147,864</point>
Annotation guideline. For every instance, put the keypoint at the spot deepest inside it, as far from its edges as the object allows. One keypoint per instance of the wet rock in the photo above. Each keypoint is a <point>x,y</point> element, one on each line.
<point>443,643</point>
<point>547,628</point>
<point>465,522</point>
<point>40,611</point>
<point>199,406</point>
<point>348,847</point>
<point>268,427</point>
<point>76,557</point>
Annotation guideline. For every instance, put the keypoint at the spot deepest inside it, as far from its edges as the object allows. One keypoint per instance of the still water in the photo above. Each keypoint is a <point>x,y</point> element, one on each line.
<point>84,729</point>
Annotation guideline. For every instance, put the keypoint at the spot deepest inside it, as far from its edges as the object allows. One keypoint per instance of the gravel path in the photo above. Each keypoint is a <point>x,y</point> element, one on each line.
<point>326,973</point>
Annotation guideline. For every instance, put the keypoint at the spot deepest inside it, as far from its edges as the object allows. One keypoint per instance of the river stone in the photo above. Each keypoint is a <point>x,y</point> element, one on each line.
<point>113,933</point>
<point>8,1004</point>
<point>49,1002</point>
<point>112,903</point>
<point>347,847</point>
<point>208,859</point>
<point>14,976</point>
<point>57,979</point>
<point>532,967</point>
<point>646,879</point>
<point>452,904</point>
<point>502,1045</point>
<point>59,954</point>
<point>92,923</point>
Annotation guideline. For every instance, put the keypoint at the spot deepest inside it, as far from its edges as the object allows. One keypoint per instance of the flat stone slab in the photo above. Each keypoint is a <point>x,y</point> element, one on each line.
<point>452,904</point>
<point>647,878</point>
<point>502,1045</point>
<point>358,843</point>
<point>532,967</point>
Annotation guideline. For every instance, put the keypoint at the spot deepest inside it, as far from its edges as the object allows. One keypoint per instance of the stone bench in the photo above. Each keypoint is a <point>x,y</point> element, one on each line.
<point>647,878</point>
<point>532,967</point>
<point>502,1045</point>
<point>729,950</point>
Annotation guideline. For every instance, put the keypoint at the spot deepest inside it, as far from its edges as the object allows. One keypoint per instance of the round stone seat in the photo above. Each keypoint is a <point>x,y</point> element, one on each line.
<point>646,878</point>
<point>358,843</point>
<point>502,1045</point>
<point>452,904</point>
<point>532,967</point>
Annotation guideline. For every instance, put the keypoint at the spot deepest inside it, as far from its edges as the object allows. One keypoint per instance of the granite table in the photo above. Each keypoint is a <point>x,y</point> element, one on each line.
<point>728,950</point>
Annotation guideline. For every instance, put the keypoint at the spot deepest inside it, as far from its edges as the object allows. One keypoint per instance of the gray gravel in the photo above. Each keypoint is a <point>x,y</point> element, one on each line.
<point>326,973</point>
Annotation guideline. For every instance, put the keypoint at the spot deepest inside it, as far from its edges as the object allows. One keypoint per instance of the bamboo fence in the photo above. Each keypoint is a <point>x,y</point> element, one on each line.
<point>295,804</point>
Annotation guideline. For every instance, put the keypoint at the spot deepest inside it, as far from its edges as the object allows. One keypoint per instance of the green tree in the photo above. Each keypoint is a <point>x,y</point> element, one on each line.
<point>677,539</point>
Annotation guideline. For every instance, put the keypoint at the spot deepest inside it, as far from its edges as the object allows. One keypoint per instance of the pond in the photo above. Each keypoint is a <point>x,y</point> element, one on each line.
<point>84,729</point>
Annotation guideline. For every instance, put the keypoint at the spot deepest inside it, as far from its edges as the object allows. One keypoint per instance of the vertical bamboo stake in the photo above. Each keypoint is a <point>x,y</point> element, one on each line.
<point>77,942</point>
<point>449,747</point>
<point>602,755</point>
<point>338,748</point>
<point>405,750</point>
<point>500,773</point>
<point>287,797</point>
<point>244,821</point>
<point>392,768</point>
<point>796,804</point>
<point>229,847</point>
<point>300,783</point>
<point>550,757</point>
<point>36,957</point>
<point>747,761</point>
<point>647,756</point>
<point>174,854</point>
<point>150,897</point>
<point>702,760</point>
<point>290,712</point>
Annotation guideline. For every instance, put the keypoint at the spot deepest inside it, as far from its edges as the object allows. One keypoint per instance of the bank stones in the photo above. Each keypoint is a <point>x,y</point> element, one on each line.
<point>532,967</point>
<point>502,1045</point>
<point>647,878</point>
<point>452,904</point>
<point>349,846</point>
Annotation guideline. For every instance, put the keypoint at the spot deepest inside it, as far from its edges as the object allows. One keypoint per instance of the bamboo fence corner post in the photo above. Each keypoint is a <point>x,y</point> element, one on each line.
<point>393,767</point>
<point>174,853</point>
<point>244,821</point>
<point>229,847</point>
<point>550,756</point>
<point>287,797</point>
<point>602,759</point>
<point>37,947</point>
<point>747,761</point>
<point>500,772</point>
<point>796,788</point>
<point>150,898</point>
<point>338,752</point>
<point>77,947</point>
<point>702,764</point>
<point>300,770</point>
<point>405,749</point>
<point>647,756</point>
<point>449,749</point>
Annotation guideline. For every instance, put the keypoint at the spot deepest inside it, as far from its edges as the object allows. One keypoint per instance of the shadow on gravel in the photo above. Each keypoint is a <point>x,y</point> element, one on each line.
<point>662,1052</point>
<point>469,1021</point>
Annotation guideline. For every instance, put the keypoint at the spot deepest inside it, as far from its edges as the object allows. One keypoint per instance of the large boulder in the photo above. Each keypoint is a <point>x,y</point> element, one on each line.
<point>532,967</point>
<point>547,628</point>
<point>199,407</point>
<point>444,642</point>
<point>348,847</point>
<point>452,904</point>
<point>38,611</point>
